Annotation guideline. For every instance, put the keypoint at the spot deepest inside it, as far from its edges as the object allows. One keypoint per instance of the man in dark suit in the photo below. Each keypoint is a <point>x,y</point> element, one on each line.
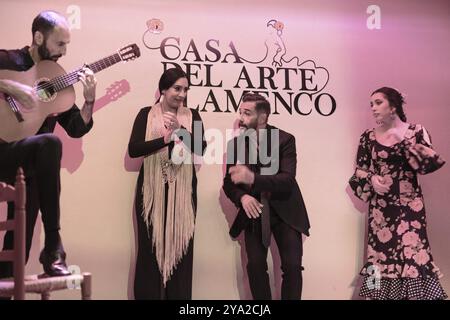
<point>260,180</point>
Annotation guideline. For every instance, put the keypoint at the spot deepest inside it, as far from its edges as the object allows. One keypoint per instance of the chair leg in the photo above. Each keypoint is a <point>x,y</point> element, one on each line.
<point>45,295</point>
<point>86,286</point>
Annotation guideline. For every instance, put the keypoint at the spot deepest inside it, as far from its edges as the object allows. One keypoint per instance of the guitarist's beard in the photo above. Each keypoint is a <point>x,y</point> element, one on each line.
<point>44,53</point>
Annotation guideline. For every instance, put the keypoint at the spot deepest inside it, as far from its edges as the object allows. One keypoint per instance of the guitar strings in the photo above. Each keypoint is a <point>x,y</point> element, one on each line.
<point>72,77</point>
<point>64,79</point>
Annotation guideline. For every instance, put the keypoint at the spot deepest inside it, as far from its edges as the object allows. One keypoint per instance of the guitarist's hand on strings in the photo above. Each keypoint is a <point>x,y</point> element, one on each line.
<point>87,77</point>
<point>89,82</point>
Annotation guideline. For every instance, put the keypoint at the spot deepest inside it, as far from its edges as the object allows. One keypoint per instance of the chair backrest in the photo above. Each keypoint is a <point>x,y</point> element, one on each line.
<point>17,195</point>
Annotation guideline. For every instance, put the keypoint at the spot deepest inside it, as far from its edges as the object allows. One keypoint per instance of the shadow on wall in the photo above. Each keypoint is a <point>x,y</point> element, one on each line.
<point>72,158</point>
<point>73,147</point>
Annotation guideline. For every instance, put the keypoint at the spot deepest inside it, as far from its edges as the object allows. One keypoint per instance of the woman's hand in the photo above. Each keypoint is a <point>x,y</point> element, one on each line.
<point>421,151</point>
<point>171,121</point>
<point>167,134</point>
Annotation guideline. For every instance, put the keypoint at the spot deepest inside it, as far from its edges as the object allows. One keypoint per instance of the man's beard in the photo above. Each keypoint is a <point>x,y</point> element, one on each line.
<point>44,53</point>
<point>251,125</point>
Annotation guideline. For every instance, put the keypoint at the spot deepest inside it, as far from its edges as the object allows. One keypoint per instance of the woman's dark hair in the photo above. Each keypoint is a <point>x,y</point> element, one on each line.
<point>395,99</point>
<point>168,78</point>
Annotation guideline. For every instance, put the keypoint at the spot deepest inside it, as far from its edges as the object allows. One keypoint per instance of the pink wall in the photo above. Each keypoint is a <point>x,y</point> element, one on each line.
<point>409,52</point>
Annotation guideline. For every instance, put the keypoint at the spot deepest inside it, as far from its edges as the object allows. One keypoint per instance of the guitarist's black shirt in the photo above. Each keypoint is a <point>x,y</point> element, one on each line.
<point>70,120</point>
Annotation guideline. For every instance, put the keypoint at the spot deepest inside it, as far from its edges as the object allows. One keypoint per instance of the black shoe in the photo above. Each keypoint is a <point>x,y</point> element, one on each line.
<point>54,263</point>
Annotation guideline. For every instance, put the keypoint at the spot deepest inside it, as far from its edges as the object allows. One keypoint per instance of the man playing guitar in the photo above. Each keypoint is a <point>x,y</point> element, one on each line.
<point>40,154</point>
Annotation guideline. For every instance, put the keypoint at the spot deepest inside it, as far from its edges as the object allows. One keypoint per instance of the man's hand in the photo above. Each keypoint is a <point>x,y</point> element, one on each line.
<point>87,77</point>
<point>251,206</point>
<point>241,174</point>
<point>25,95</point>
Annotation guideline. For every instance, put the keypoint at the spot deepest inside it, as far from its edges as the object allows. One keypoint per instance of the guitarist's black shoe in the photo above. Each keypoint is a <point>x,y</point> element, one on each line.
<point>54,263</point>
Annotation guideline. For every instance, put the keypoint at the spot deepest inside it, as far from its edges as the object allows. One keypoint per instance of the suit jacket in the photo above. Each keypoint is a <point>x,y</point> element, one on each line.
<point>285,197</point>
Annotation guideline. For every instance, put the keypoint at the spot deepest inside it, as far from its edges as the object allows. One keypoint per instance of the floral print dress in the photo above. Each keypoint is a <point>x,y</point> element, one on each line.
<point>399,260</point>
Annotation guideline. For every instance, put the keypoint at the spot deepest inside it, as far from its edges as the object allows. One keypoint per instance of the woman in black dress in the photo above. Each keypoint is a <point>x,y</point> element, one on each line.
<point>169,136</point>
<point>399,261</point>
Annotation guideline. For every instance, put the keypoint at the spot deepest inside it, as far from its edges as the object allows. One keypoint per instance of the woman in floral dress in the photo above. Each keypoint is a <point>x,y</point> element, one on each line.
<point>399,260</point>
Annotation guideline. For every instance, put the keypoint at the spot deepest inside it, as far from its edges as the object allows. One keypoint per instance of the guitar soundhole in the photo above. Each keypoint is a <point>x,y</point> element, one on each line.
<point>45,90</point>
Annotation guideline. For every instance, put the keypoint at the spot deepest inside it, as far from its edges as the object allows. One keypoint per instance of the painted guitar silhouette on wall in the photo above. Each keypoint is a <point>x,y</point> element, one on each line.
<point>55,92</point>
<point>73,155</point>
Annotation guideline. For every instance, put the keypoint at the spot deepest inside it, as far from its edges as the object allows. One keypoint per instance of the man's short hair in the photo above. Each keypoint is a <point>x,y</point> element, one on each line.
<point>261,103</point>
<point>45,22</point>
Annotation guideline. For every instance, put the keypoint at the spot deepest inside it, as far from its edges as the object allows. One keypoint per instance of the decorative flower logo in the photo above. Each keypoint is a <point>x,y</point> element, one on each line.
<point>278,26</point>
<point>155,25</point>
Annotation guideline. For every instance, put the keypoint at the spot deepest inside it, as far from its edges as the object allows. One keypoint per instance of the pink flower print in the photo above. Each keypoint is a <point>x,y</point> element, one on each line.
<point>365,197</point>
<point>402,227</point>
<point>358,191</point>
<point>381,256</point>
<point>422,257</point>
<point>410,238</point>
<point>384,235</point>
<point>410,272</point>
<point>416,204</point>
<point>416,224</point>
<point>383,154</point>
<point>405,186</point>
<point>377,215</point>
<point>377,256</point>
<point>404,200</point>
<point>370,251</point>
<point>413,163</point>
<point>374,154</point>
<point>384,169</point>
<point>375,226</point>
<point>408,252</point>
<point>409,174</point>
<point>387,181</point>
<point>382,203</point>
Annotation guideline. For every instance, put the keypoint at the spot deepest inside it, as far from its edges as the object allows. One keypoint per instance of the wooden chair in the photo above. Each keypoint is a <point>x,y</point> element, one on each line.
<point>21,284</point>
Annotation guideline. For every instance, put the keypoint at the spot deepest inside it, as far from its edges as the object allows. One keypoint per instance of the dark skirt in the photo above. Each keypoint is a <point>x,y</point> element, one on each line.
<point>148,281</point>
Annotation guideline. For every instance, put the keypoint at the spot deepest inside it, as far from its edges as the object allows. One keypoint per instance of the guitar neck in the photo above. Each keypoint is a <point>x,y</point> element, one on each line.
<point>64,81</point>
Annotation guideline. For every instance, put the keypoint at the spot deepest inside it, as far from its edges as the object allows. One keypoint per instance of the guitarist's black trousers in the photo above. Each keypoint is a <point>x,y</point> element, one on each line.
<point>40,158</point>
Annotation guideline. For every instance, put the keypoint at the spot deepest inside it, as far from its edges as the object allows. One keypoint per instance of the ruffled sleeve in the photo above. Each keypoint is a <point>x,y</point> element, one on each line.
<point>424,160</point>
<point>362,186</point>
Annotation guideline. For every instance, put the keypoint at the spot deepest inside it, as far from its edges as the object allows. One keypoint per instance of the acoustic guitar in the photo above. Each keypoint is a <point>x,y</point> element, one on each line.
<point>55,92</point>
